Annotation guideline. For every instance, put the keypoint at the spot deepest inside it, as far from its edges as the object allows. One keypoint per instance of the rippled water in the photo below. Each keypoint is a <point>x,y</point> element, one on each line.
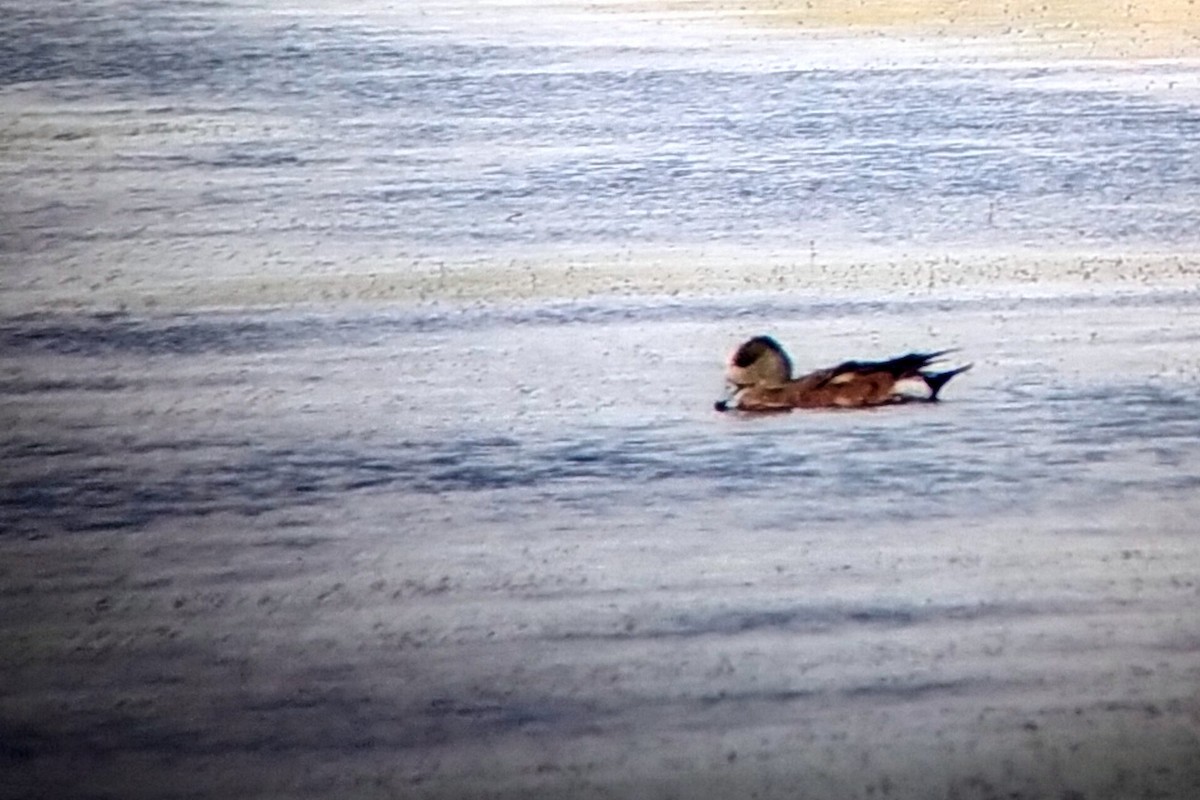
<point>378,544</point>
<point>599,407</point>
<point>202,139</point>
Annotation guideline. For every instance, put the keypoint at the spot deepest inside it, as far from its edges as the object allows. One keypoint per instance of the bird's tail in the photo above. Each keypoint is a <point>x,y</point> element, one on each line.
<point>936,380</point>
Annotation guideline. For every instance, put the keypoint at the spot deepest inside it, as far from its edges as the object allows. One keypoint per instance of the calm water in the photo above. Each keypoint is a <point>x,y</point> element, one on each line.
<point>436,549</point>
<point>590,407</point>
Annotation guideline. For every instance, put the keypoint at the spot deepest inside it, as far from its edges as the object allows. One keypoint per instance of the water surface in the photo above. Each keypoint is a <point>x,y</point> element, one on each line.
<point>298,501</point>
<point>159,143</point>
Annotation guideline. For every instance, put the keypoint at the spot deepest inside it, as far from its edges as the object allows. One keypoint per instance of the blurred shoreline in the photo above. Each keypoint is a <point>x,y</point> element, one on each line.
<point>1109,29</point>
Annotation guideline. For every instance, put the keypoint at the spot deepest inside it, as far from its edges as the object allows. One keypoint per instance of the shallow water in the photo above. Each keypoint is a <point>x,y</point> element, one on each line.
<point>178,141</point>
<point>393,545</point>
<point>515,552</point>
<point>603,406</point>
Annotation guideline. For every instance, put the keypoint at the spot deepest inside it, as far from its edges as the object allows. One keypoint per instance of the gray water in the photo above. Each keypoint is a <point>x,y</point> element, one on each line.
<point>515,553</point>
<point>370,546</point>
<point>594,407</point>
<point>340,135</point>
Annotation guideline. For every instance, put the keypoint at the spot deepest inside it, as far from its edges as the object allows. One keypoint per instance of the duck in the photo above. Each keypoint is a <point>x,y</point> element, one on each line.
<point>759,376</point>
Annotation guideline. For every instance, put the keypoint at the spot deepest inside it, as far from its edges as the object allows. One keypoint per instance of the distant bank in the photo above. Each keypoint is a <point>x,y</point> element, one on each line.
<point>1073,28</point>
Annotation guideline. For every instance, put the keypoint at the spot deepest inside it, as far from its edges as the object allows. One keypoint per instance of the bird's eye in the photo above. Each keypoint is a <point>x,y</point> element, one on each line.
<point>744,358</point>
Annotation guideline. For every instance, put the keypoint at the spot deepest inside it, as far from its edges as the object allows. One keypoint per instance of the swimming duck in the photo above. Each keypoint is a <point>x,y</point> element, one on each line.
<point>760,379</point>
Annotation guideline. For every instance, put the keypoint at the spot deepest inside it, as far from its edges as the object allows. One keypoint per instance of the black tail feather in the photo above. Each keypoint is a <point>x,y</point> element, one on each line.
<point>903,366</point>
<point>936,380</point>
